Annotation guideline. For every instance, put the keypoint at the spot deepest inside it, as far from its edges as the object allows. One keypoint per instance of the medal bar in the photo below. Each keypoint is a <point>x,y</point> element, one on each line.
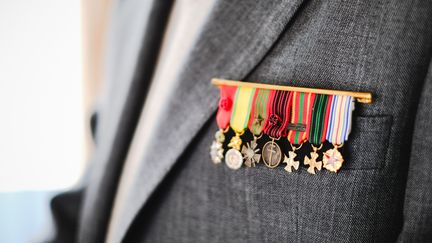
<point>362,97</point>
<point>276,115</point>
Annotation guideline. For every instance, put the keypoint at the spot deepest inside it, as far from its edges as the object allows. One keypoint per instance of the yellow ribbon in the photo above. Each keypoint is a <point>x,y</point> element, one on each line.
<point>241,110</point>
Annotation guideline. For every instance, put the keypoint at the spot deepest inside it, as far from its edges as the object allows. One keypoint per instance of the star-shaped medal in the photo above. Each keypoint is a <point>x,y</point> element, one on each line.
<point>291,162</point>
<point>250,154</point>
<point>332,160</point>
<point>312,162</point>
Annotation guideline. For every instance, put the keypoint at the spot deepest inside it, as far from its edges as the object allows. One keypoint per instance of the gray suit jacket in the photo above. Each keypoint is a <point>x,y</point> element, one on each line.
<point>382,194</point>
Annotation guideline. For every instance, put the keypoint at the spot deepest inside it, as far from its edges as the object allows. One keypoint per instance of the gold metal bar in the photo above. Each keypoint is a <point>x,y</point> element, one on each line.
<point>362,97</point>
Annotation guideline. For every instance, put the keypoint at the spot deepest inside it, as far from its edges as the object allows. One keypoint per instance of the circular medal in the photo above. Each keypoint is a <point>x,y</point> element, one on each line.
<point>332,160</point>
<point>233,159</point>
<point>271,154</point>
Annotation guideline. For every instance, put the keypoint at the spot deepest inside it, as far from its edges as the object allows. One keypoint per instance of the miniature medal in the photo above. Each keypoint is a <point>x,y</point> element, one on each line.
<point>223,117</point>
<point>271,154</point>
<point>339,127</point>
<point>233,157</point>
<point>216,149</point>
<point>250,153</point>
<point>239,121</point>
<point>301,113</point>
<point>290,160</point>
<point>256,123</point>
<point>275,126</point>
<point>312,161</point>
<point>332,159</point>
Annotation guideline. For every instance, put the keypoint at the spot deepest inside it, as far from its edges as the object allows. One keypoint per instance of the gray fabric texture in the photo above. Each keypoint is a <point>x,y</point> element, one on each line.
<point>382,47</point>
<point>382,194</point>
<point>418,200</point>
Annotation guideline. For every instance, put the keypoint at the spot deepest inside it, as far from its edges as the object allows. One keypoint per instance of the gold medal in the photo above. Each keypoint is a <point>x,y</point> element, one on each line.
<point>312,161</point>
<point>291,163</point>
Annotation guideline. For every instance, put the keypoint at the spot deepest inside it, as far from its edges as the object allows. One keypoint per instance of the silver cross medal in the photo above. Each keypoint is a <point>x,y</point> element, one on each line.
<point>250,153</point>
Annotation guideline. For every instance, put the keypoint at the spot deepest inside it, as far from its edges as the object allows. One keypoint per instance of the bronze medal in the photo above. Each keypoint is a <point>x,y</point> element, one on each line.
<point>271,154</point>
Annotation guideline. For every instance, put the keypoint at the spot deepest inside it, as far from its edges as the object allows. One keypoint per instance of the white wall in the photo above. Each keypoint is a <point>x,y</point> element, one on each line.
<point>41,112</point>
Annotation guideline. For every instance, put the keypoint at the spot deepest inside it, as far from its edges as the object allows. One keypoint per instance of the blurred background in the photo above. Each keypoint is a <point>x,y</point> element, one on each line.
<point>51,54</point>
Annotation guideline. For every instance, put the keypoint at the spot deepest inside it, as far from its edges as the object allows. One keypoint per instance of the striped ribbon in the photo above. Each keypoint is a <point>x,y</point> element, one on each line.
<point>301,114</point>
<point>278,113</point>
<point>223,115</point>
<point>339,124</point>
<point>259,111</point>
<point>320,118</point>
<point>241,109</point>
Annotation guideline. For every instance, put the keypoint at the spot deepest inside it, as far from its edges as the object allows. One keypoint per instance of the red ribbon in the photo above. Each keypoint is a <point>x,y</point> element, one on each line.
<point>278,113</point>
<point>226,102</point>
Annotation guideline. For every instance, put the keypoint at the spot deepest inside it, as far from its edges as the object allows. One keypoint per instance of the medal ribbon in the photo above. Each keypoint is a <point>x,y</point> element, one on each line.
<point>259,111</point>
<point>223,115</point>
<point>302,104</point>
<point>320,117</point>
<point>278,113</point>
<point>340,119</point>
<point>241,110</point>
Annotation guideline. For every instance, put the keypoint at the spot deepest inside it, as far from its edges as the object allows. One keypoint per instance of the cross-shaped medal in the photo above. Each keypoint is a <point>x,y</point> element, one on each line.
<point>312,162</point>
<point>250,153</point>
<point>291,162</point>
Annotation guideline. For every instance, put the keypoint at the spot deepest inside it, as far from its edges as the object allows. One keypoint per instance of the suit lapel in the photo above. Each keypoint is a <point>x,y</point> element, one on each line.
<point>236,38</point>
<point>133,41</point>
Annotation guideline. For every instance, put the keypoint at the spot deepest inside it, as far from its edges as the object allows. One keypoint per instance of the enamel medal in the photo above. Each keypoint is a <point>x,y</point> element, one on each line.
<point>332,159</point>
<point>223,117</point>
<point>239,122</point>
<point>339,127</point>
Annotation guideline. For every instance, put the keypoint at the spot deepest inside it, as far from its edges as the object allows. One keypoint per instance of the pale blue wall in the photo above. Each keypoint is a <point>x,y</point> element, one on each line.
<point>24,216</point>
